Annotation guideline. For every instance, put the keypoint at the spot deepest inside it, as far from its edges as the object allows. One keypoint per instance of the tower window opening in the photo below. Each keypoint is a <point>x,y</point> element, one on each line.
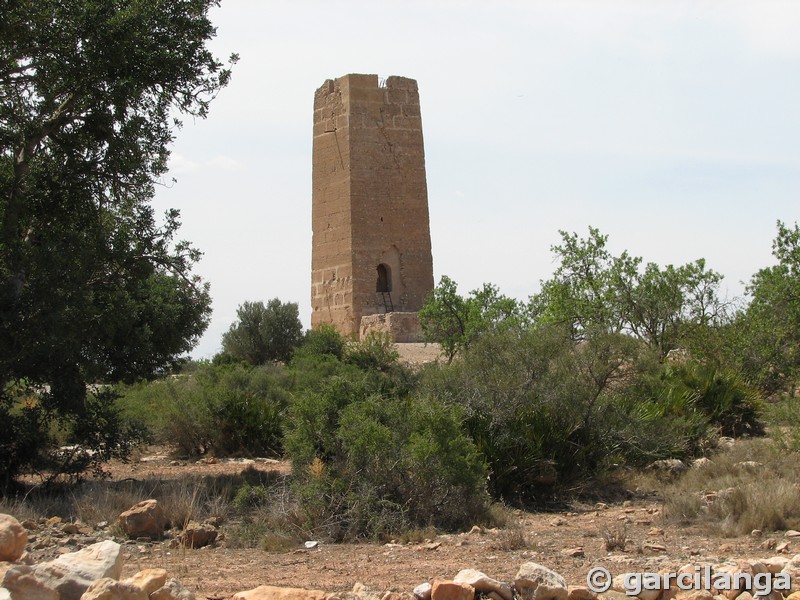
<point>384,283</point>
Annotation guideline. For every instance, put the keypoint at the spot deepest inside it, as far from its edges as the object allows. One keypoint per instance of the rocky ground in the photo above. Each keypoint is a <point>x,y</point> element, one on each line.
<point>568,542</point>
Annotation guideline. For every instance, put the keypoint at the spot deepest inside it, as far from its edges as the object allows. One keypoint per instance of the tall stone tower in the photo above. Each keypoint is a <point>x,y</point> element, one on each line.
<point>371,249</point>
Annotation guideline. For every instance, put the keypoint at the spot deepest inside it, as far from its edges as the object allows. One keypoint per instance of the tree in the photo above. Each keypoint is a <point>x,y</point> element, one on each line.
<point>92,286</point>
<point>770,327</point>
<point>594,292</point>
<point>264,333</point>
<point>456,322</point>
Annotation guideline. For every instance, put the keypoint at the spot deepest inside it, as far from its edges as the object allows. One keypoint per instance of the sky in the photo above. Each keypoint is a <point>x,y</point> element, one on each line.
<point>673,127</point>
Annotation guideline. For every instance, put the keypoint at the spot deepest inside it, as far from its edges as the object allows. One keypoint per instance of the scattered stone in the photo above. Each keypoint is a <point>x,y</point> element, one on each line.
<point>775,564</point>
<point>173,590</point>
<point>52,521</point>
<point>22,584</point>
<point>269,592</point>
<point>655,531</point>
<point>792,533</point>
<point>145,519</point>
<point>71,574</point>
<point>782,548</point>
<point>30,525</point>
<point>768,544</point>
<point>654,548</point>
<point>483,583</point>
<point>702,462</point>
<point>792,567</point>
<point>450,590</point>
<point>558,522</point>
<point>476,529</point>
<point>756,533</point>
<point>535,581</point>
<point>13,538</point>
<point>196,535</point>
<point>431,546</point>
<point>311,544</point>
<point>726,442</point>
<point>576,552</point>
<point>111,589</point>
<point>422,591</point>
<point>149,580</point>
<point>578,592</point>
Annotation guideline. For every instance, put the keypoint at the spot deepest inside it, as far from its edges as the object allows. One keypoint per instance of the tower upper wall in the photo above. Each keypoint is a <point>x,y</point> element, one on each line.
<point>370,201</point>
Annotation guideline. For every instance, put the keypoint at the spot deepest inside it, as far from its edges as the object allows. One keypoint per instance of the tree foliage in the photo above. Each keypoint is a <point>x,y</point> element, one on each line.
<point>594,291</point>
<point>456,322</point>
<point>264,333</point>
<point>92,285</point>
<point>769,330</point>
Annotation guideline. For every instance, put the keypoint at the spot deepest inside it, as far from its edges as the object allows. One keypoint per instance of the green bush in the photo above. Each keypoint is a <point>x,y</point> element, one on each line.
<point>371,465</point>
<point>227,409</point>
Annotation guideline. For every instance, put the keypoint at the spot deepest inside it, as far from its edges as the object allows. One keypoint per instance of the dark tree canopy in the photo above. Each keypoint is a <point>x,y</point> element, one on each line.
<point>92,285</point>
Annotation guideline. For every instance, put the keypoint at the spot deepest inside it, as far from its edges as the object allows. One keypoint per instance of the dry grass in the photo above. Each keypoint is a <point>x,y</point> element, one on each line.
<point>733,498</point>
<point>614,538</point>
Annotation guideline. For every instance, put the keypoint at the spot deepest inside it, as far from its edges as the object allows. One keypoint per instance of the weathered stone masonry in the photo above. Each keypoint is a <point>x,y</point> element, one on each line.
<point>371,249</point>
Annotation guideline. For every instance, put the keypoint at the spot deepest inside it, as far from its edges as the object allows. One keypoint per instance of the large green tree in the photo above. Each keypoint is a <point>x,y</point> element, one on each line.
<point>92,285</point>
<point>264,333</point>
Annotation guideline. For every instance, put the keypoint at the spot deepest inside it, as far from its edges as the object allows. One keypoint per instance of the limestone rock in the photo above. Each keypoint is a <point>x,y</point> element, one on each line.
<point>775,564</point>
<point>71,574</point>
<point>702,462</point>
<point>483,583</point>
<point>793,569</point>
<point>23,585</point>
<point>196,535</point>
<point>13,538</point>
<point>5,594</point>
<point>534,580</point>
<point>149,580</point>
<point>146,519</point>
<point>579,592</point>
<point>269,592</point>
<point>172,590</point>
<point>450,590</point>
<point>423,591</point>
<point>111,589</point>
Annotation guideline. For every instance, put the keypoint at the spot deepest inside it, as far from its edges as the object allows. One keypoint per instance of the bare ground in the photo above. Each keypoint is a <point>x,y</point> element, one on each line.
<point>653,545</point>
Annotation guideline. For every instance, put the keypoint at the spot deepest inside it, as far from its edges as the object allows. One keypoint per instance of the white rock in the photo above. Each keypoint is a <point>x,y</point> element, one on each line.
<point>71,574</point>
<point>5,594</point>
<point>535,581</point>
<point>22,585</point>
<point>483,583</point>
<point>111,589</point>
<point>423,591</point>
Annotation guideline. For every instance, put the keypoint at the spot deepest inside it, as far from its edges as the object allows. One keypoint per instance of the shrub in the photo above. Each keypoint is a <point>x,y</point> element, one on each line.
<point>225,409</point>
<point>371,465</point>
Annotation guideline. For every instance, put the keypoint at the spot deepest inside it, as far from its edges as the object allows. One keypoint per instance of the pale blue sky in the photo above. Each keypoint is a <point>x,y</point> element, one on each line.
<point>674,127</point>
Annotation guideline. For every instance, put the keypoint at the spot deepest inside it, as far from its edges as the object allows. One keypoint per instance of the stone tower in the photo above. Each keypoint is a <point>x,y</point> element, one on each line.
<point>371,249</point>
